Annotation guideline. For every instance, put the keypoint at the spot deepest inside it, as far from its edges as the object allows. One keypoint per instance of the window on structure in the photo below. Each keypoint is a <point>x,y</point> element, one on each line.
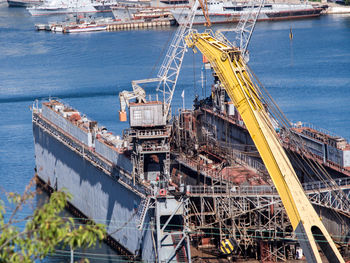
<point>137,115</point>
<point>147,114</point>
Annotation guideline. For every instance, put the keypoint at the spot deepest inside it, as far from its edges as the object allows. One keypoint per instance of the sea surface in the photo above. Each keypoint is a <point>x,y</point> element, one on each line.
<point>309,77</point>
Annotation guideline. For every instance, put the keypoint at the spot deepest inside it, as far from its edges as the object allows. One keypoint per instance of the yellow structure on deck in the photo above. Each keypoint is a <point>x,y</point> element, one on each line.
<point>237,80</point>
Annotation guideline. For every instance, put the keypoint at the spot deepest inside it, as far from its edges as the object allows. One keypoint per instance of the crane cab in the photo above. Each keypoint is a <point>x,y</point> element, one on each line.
<point>148,114</point>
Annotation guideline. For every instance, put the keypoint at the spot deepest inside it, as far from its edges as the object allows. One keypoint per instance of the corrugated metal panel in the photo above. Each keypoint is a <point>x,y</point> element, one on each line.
<point>334,155</point>
<point>231,109</point>
<point>346,158</point>
<point>67,126</point>
<point>105,151</point>
<point>314,146</point>
<point>113,156</point>
<point>146,115</point>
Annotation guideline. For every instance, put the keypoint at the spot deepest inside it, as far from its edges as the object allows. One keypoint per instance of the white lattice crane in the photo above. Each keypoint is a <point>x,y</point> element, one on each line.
<point>169,71</point>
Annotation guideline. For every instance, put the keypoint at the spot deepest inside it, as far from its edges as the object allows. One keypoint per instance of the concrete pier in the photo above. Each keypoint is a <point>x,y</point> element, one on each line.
<point>137,25</point>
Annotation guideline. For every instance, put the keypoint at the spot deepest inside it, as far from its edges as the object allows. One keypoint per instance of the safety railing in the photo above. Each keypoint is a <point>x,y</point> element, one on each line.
<point>230,190</point>
<point>326,184</point>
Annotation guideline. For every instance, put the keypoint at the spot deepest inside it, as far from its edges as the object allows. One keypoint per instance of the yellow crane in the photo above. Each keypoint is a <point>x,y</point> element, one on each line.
<point>233,73</point>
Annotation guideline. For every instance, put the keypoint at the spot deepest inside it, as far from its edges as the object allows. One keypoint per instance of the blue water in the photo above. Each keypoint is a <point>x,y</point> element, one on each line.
<point>309,78</point>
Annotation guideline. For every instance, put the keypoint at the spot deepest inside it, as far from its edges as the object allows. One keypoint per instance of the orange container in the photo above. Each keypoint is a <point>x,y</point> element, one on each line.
<point>122,115</point>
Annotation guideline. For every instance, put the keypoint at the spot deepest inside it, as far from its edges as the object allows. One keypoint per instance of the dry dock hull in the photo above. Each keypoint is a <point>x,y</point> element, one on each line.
<point>97,189</point>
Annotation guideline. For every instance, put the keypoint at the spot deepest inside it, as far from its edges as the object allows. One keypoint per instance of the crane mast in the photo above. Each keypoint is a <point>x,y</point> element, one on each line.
<point>234,75</point>
<point>148,138</point>
<point>244,29</point>
<point>246,26</point>
<point>170,69</point>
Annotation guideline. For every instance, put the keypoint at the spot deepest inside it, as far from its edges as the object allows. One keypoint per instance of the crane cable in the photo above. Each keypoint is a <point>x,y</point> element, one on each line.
<point>297,142</point>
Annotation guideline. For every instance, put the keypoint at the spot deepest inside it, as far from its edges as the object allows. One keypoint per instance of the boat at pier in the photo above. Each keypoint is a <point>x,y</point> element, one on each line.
<point>77,25</point>
<point>24,3</point>
<point>71,7</point>
<point>141,13</point>
<point>57,8</point>
<point>85,27</point>
<point>135,10</point>
<point>230,12</point>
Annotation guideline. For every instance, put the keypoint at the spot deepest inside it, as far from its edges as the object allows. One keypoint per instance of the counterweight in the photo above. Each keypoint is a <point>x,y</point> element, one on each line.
<point>235,77</point>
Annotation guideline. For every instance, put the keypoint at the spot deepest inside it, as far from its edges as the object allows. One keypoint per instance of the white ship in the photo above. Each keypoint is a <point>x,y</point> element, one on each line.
<point>86,27</point>
<point>23,3</point>
<point>228,12</point>
<point>62,7</point>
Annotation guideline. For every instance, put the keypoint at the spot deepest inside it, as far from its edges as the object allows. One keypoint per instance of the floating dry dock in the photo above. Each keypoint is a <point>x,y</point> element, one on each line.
<point>217,192</point>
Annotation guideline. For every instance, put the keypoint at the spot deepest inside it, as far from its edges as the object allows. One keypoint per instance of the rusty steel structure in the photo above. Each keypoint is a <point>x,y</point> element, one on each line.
<point>224,206</point>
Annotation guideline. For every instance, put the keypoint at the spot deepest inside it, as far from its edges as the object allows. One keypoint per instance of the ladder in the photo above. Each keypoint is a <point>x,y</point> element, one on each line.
<point>142,211</point>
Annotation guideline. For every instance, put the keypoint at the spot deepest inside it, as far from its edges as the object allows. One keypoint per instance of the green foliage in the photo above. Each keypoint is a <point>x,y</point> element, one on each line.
<point>44,230</point>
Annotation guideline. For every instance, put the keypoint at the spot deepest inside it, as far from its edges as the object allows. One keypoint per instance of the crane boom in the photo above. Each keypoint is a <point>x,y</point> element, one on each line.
<point>125,97</point>
<point>234,75</point>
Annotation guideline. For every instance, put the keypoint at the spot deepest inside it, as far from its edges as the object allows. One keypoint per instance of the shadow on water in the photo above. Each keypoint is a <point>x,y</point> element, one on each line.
<point>71,95</point>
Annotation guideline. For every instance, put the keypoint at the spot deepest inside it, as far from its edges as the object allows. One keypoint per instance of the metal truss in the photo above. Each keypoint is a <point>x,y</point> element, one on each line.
<point>333,195</point>
<point>248,219</point>
<point>255,216</point>
<point>170,69</point>
<point>246,25</point>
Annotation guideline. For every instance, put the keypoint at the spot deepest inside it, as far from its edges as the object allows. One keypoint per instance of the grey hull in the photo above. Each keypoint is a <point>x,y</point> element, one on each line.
<point>99,196</point>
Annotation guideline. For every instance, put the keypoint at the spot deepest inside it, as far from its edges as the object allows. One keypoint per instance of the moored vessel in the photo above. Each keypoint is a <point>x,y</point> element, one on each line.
<point>57,8</point>
<point>85,27</point>
<point>71,7</point>
<point>135,10</point>
<point>141,13</point>
<point>230,12</point>
<point>24,3</point>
